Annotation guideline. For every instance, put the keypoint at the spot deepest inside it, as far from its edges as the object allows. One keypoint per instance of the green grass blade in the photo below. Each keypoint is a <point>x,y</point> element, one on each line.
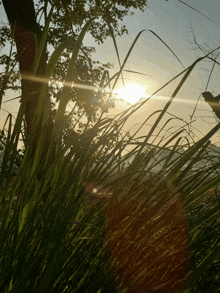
<point>42,41</point>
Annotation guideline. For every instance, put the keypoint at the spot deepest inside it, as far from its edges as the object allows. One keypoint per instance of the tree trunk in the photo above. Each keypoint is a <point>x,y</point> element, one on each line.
<point>27,34</point>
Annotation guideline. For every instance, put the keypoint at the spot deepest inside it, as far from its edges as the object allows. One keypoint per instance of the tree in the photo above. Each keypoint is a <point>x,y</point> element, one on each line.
<point>27,19</point>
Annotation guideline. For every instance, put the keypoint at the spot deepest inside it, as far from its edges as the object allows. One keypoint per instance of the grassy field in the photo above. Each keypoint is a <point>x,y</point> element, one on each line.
<point>89,222</point>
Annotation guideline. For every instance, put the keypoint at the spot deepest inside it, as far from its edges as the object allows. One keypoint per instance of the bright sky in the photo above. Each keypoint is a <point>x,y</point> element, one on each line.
<point>174,23</point>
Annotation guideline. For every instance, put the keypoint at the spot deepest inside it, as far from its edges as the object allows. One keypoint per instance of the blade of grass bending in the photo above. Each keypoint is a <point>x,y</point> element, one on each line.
<point>127,56</point>
<point>111,78</point>
<point>49,70</point>
<point>131,48</point>
<point>194,196</point>
<point>197,158</point>
<point>65,92</point>
<point>161,130</point>
<point>69,77</point>
<point>188,71</point>
<point>50,67</point>
<point>41,100</point>
<point>138,105</point>
<point>42,41</point>
<point>194,149</point>
<point>173,151</point>
<point>56,55</point>
<point>167,47</point>
<point>105,76</point>
<point>143,144</point>
<point>116,49</point>
<point>140,73</point>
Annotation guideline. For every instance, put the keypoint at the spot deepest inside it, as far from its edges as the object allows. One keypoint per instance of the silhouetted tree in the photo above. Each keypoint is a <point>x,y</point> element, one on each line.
<point>27,18</point>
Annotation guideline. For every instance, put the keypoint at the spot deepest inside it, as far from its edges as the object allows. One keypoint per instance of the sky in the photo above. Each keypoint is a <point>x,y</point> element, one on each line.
<point>175,23</point>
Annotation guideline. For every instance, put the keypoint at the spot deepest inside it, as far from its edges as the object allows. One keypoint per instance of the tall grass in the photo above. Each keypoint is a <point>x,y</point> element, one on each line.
<point>109,223</point>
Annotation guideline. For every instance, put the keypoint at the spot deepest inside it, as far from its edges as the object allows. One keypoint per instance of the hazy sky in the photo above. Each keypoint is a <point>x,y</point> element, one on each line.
<point>175,24</point>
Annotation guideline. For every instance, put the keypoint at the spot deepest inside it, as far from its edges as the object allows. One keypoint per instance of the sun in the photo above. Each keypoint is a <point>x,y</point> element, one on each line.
<point>131,93</point>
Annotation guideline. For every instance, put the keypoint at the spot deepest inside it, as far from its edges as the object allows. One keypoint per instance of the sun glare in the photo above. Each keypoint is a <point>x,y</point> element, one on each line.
<point>131,93</point>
